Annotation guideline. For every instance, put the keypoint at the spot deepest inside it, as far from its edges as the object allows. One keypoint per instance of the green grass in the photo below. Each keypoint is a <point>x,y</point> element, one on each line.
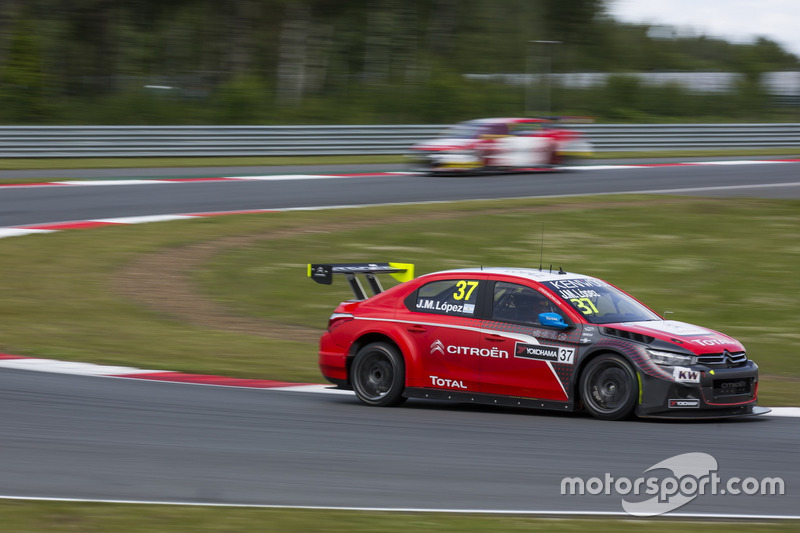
<point>34,517</point>
<point>705,152</point>
<point>726,264</point>
<point>45,164</point>
<point>147,162</point>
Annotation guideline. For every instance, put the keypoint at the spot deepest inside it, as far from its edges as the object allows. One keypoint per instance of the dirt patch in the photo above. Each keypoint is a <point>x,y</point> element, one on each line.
<point>161,281</point>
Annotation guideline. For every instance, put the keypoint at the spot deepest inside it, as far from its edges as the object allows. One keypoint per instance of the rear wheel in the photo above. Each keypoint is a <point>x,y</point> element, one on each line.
<point>609,388</point>
<point>378,375</point>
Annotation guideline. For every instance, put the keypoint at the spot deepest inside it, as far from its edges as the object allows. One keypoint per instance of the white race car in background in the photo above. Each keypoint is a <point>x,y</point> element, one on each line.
<point>500,144</point>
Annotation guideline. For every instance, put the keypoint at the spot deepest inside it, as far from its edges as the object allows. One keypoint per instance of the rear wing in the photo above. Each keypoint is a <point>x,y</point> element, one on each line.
<point>324,274</point>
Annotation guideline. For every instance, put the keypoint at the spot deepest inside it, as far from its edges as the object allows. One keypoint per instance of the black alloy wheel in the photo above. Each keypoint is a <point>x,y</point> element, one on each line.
<point>609,388</point>
<point>378,375</point>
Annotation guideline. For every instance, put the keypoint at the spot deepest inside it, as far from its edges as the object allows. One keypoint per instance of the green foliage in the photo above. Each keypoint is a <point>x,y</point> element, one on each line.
<point>23,90</point>
<point>572,20</point>
<point>242,100</point>
<point>351,61</point>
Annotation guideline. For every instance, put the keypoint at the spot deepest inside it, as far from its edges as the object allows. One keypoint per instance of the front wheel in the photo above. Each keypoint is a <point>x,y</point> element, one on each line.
<point>378,375</point>
<point>566,161</point>
<point>609,388</point>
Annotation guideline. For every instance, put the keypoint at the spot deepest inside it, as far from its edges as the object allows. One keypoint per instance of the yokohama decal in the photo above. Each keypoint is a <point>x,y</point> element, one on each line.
<point>541,352</point>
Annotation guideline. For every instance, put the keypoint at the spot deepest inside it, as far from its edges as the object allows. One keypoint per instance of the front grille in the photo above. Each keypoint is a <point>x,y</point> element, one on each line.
<point>732,387</point>
<point>726,359</point>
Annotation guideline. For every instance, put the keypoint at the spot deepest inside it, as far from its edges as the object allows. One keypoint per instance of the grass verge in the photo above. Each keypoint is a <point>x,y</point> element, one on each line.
<point>63,163</point>
<point>726,264</point>
<point>34,517</point>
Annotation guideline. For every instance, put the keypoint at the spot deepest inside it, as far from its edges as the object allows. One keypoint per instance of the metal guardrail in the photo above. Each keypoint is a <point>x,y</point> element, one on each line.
<point>197,141</point>
<point>626,137</point>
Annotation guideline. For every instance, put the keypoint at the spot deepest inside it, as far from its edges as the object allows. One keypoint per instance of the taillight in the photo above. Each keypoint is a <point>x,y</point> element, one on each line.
<point>337,319</point>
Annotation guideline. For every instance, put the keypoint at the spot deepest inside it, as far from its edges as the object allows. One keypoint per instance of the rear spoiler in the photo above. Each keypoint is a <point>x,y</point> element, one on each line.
<point>324,274</point>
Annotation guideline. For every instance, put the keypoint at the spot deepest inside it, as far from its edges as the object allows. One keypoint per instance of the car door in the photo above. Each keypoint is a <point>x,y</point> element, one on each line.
<point>532,361</point>
<point>520,151</point>
<point>444,327</point>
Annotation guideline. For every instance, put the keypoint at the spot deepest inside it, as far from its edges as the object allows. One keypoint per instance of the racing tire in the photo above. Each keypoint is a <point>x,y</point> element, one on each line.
<point>378,375</point>
<point>565,162</point>
<point>609,388</point>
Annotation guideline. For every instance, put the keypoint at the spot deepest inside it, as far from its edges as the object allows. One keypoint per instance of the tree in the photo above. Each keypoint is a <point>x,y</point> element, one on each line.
<point>23,93</point>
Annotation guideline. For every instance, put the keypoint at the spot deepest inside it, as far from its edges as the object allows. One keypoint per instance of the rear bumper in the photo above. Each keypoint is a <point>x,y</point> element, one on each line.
<point>333,366</point>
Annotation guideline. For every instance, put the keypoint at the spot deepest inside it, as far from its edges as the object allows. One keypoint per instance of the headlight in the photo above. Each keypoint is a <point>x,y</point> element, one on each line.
<point>670,358</point>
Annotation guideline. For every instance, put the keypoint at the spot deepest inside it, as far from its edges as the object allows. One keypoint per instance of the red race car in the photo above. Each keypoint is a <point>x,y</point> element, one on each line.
<point>500,144</point>
<point>527,337</point>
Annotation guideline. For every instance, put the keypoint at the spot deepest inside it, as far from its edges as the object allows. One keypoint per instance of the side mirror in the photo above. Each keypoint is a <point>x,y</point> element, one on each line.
<point>553,320</point>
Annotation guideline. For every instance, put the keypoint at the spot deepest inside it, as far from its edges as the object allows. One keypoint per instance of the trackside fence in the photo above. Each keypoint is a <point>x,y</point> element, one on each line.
<point>239,141</point>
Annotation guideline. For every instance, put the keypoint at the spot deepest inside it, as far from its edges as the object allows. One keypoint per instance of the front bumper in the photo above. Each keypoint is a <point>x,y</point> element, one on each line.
<point>706,392</point>
<point>443,161</point>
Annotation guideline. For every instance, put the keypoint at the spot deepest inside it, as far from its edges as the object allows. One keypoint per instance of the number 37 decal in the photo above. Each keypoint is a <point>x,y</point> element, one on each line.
<point>584,305</point>
<point>465,289</point>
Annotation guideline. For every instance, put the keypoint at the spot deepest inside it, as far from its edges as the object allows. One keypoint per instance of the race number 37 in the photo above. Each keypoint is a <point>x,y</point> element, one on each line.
<point>584,305</point>
<point>465,289</point>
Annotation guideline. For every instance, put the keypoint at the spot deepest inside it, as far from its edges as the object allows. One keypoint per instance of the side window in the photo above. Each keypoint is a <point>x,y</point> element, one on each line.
<point>494,130</point>
<point>517,303</point>
<point>526,128</point>
<point>448,297</point>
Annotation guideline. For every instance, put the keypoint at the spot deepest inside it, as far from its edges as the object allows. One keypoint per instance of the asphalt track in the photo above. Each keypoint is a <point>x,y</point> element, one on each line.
<point>80,437</point>
<point>125,440</point>
<point>32,205</point>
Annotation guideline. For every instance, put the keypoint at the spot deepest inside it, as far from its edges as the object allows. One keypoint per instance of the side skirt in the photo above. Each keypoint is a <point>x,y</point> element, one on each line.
<point>486,399</point>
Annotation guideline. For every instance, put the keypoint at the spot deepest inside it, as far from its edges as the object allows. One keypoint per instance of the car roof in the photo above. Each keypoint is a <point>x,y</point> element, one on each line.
<point>506,120</point>
<point>534,274</point>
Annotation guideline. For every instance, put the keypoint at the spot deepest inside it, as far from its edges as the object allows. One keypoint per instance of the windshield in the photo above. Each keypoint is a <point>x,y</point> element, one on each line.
<point>599,302</point>
<point>464,130</point>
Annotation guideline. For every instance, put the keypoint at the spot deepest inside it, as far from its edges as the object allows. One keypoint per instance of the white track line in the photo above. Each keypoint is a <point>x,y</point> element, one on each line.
<point>744,162</point>
<point>606,167</point>
<point>319,389</point>
<point>143,219</point>
<point>101,183</point>
<point>19,232</point>
<point>289,177</point>
<point>70,367</point>
<point>532,513</point>
<point>792,412</point>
